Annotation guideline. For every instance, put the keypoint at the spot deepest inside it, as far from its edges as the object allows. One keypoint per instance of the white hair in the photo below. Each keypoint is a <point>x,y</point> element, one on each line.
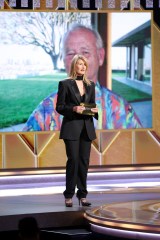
<point>75,27</point>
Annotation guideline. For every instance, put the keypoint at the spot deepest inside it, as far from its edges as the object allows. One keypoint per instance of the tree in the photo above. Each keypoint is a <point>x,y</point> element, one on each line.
<point>42,29</point>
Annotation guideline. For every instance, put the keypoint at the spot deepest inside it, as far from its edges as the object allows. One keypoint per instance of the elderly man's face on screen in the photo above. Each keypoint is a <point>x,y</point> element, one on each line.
<point>82,41</point>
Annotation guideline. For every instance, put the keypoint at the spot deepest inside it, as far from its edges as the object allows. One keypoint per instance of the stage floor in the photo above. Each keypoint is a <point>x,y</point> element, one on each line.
<point>127,205</point>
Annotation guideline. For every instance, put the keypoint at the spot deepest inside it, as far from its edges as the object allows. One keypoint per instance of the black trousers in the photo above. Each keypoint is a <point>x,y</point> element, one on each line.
<point>78,154</point>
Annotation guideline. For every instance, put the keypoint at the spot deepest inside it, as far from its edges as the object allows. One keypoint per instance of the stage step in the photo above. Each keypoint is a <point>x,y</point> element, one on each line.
<point>67,234</point>
<point>75,234</point>
<point>63,234</point>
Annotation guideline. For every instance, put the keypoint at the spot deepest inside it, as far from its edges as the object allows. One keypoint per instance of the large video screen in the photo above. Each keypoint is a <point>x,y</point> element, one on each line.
<point>36,51</point>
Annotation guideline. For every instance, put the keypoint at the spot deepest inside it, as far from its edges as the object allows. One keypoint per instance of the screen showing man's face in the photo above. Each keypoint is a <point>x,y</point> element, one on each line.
<point>36,57</point>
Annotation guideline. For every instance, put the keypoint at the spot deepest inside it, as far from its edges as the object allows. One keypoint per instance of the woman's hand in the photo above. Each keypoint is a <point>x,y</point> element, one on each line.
<point>78,109</point>
<point>94,110</point>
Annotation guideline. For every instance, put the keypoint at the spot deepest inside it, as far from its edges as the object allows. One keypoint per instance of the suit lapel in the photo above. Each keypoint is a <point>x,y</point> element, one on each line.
<point>87,88</point>
<point>75,90</point>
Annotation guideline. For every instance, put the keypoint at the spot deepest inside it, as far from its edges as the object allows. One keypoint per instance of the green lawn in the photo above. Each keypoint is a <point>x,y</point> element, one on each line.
<point>129,93</point>
<point>19,97</point>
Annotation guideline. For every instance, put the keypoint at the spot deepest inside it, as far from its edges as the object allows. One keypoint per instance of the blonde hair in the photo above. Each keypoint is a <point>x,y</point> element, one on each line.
<point>73,73</point>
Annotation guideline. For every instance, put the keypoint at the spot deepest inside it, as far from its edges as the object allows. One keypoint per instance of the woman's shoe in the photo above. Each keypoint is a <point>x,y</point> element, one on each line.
<point>68,202</point>
<point>84,202</point>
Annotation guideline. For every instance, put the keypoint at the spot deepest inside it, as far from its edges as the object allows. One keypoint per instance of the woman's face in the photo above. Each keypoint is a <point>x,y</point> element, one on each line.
<point>80,67</point>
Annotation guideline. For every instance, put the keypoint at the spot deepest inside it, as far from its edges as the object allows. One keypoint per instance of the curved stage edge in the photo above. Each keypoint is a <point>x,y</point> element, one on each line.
<point>132,219</point>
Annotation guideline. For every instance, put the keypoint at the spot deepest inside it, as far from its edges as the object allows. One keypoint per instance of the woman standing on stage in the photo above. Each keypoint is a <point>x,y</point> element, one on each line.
<point>77,129</point>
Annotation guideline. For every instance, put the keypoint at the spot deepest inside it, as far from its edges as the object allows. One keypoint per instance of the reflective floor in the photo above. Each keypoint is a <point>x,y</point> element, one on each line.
<point>138,219</point>
<point>139,212</point>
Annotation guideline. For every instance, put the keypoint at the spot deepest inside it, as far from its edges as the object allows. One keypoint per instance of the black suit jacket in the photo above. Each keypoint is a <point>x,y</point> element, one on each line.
<point>68,97</point>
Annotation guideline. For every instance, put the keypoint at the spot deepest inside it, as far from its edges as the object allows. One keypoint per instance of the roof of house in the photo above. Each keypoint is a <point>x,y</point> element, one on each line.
<point>139,34</point>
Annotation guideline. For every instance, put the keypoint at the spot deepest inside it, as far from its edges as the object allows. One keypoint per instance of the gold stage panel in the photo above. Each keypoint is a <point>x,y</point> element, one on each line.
<point>111,148</point>
<point>17,153</point>
<point>119,149</point>
<point>52,151</point>
<point>147,148</point>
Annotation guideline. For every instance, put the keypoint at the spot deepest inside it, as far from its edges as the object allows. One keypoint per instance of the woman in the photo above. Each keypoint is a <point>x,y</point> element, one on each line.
<point>77,129</point>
